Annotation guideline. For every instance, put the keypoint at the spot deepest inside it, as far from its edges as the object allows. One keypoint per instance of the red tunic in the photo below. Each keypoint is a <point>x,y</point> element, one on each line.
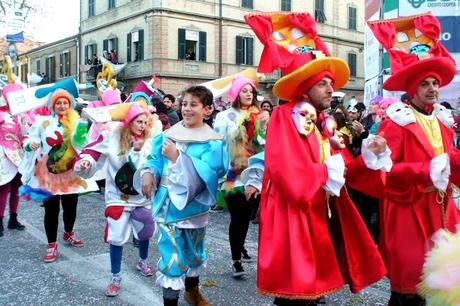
<point>409,212</point>
<point>302,253</point>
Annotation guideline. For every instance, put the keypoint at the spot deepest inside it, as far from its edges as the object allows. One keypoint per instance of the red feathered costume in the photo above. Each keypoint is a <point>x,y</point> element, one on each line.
<point>302,253</point>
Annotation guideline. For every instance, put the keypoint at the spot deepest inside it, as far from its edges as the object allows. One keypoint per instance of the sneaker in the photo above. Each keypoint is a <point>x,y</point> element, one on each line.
<point>194,297</point>
<point>72,239</point>
<point>245,256</point>
<point>238,270</point>
<point>144,267</point>
<point>51,252</point>
<point>114,287</point>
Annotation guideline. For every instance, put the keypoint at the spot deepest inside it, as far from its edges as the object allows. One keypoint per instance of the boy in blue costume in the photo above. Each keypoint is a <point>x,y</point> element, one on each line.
<point>186,162</point>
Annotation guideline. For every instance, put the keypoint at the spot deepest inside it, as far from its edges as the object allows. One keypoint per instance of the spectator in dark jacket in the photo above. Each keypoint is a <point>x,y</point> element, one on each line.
<point>168,101</point>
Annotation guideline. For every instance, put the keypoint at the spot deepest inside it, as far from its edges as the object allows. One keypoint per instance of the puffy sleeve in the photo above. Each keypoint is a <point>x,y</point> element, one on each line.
<point>195,177</point>
<point>33,134</point>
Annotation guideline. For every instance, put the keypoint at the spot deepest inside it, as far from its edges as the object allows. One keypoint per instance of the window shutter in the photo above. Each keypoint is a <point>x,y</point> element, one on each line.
<point>352,64</point>
<point>128,47</point>
<point>68,65</point>
<point>250,51</point>
<point>61,65</point>
<point>105,45</point>
<point>141,45</point>
<point>115,44</point>
<point>202,48</point>
<point>181,45</point>
<point>239,50</point>
<point>86,54</point>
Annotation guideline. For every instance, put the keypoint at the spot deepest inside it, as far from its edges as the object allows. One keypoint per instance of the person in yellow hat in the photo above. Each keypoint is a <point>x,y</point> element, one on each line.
<point>312,240</point>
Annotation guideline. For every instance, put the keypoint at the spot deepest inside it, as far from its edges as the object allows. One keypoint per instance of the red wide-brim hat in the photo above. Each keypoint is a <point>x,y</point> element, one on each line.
<point>440,66</point>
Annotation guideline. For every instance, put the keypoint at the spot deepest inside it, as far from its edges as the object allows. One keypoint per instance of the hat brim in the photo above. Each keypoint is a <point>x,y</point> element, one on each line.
<point>286,87</point>
<point>441,66</point>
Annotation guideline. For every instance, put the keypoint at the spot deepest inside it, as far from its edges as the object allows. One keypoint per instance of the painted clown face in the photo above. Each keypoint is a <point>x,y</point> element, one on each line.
<point>413,41</point>
<point>335,137</point>
<point>304,115</point>
<point>292,39</point>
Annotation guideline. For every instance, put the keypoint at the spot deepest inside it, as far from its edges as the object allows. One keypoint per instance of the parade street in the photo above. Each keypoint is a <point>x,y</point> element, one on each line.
<point>79,276</point>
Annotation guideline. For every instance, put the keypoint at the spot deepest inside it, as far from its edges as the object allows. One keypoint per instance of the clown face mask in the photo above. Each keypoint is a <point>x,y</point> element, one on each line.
<point>335,137</point>
<point>293,39</point>
<point>411,40</point>
<point>444,115</point>
<point>304,116</point>
<point>400,113</point>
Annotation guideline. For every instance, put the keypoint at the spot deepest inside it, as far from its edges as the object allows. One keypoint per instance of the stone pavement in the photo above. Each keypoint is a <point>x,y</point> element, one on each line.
<point>80,275</point>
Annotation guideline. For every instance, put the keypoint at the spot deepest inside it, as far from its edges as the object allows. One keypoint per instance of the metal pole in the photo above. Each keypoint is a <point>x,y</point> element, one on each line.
<point>220,38</point>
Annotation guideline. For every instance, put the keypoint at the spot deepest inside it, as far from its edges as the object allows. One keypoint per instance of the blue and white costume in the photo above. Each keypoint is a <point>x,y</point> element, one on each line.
<point>186,190</point>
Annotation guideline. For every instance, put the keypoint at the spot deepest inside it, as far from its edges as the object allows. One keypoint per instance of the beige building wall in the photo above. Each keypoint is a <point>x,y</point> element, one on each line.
<point>56,49</point>
<point>161,19</point>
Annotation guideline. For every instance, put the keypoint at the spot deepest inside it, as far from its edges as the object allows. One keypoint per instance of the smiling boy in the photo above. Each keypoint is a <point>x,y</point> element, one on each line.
<point>186,162</point>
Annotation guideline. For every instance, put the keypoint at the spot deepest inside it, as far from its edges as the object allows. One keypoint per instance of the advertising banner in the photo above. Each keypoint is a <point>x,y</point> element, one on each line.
<point>15,26</point>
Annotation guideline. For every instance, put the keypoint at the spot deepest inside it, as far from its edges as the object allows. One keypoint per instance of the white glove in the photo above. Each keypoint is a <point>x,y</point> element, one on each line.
<point>440,171</point>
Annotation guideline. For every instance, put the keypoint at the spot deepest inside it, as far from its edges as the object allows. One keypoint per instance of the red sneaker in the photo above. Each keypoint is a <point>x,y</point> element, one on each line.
<point>51,252</point>
<point>114,286</point>
<point>72,239</point>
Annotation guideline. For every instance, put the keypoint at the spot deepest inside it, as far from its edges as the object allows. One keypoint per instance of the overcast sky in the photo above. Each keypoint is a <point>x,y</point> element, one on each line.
<point>61,20</point>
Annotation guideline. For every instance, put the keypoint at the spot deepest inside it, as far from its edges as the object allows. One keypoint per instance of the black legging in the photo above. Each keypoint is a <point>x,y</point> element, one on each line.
<point>69,206</point>
<point>240,215</point>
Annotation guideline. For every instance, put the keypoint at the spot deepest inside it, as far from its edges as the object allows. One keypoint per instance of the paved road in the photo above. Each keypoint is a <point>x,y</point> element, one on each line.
<point>79,275</point>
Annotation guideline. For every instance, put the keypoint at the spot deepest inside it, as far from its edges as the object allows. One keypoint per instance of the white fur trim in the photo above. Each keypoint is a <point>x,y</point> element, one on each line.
<point>400,113</point>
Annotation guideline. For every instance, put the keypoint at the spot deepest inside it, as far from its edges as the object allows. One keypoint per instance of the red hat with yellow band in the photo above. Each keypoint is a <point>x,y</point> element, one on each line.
<point>292,44</point>
<point>415,52</point>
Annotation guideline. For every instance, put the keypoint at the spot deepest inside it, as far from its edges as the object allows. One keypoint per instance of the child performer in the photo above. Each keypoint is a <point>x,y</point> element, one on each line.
<point>123,148</point>
<point>186,163</point>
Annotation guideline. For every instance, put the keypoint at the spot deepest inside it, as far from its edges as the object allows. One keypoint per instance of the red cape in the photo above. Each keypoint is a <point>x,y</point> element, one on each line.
<point>302,253</point>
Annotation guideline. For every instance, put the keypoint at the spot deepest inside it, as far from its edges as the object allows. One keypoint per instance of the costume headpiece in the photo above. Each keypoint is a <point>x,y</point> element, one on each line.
<point>57,94</point>
<point>291,43</point>
<point>414,50</point>
<point>239,82</point>
<point>134,111</point>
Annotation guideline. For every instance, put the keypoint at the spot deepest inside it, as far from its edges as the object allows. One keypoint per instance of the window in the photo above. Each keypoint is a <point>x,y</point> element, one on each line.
<point>37,67</point>
<point>352,64</point>
<point>24,72</point>
<point>247,4</point>
<point>90,53</point>
<point>110,49</point>
<point>50,69</point>
<point>135,46</point>
<point>352,18</point>
<point>320,17</point>
<point>91,8</point>
<point>111,4</point>
<point>244,50</point>
<point>192,45</point>
<point>286,5</point>
<point>64,65</point>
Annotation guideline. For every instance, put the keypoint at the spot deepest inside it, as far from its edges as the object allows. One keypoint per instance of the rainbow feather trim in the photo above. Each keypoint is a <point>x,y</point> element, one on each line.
<point>441,271</point>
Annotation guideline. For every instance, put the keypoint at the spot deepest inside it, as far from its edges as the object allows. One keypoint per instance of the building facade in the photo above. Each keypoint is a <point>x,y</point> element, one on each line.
<point>188,42</point>
<point>54,61</point>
